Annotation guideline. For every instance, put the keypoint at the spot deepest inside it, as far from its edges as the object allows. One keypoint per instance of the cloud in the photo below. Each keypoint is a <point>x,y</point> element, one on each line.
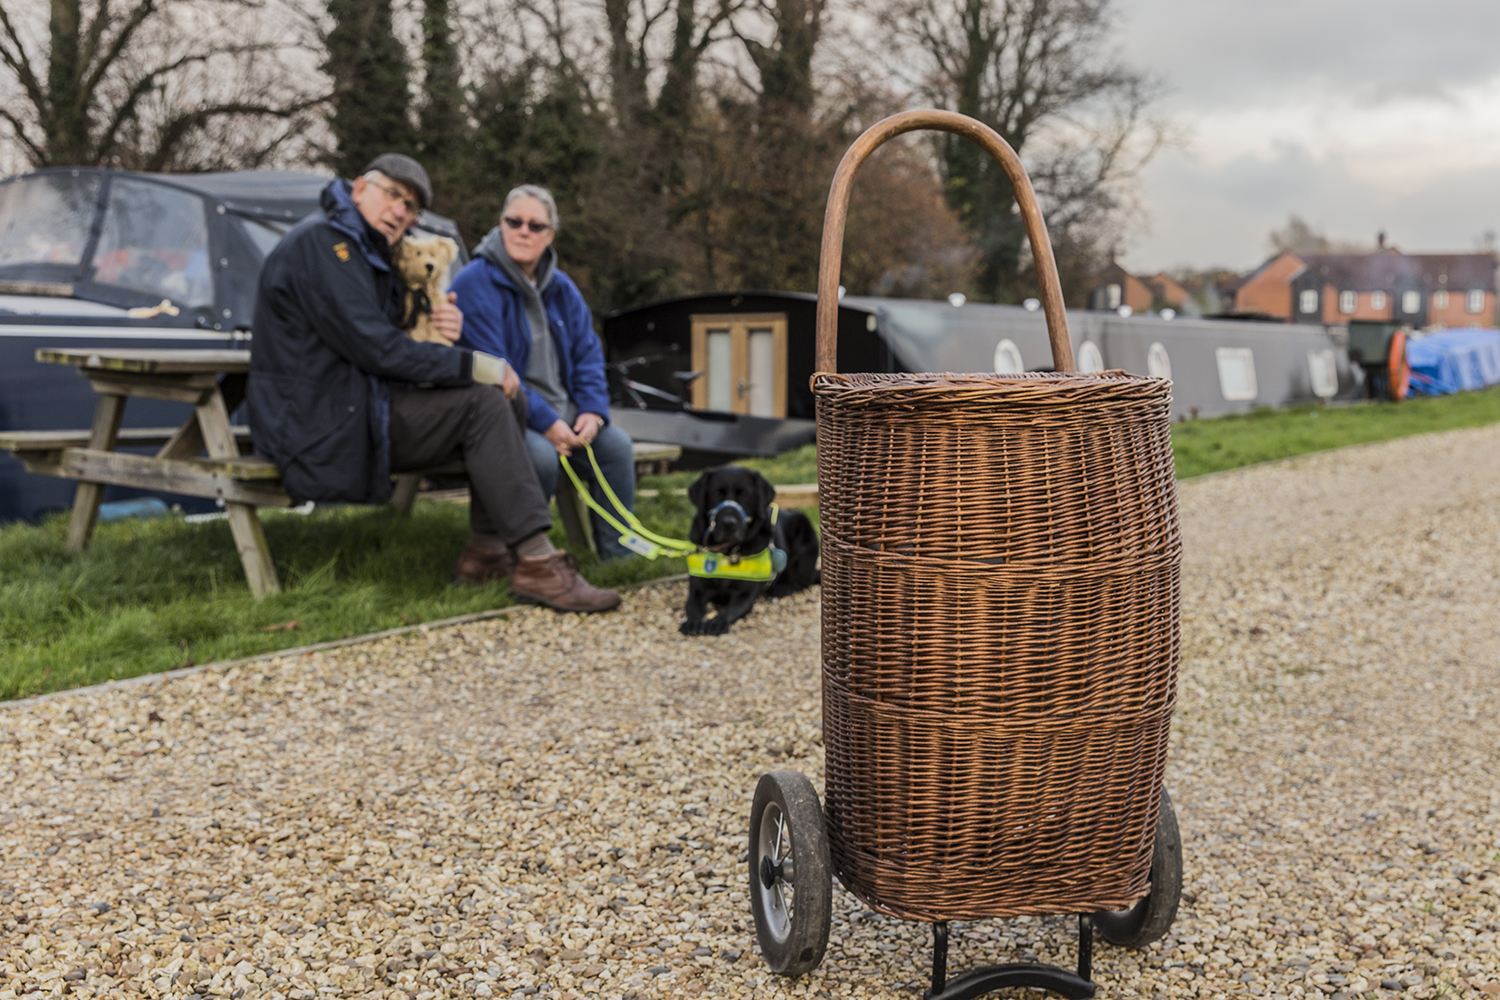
<point>1206,214</point>
<point>1357,116</point>
<point>1225,54</point>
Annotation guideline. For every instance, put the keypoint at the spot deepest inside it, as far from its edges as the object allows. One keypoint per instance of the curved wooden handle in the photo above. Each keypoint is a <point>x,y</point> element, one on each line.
<point>1031,215</point>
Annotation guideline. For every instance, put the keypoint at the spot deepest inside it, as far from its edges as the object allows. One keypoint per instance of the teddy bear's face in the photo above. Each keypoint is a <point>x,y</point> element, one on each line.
<point>424,259</point>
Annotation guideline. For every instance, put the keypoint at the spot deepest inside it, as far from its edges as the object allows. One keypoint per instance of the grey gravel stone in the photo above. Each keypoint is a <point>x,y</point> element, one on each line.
<point>559,803</point>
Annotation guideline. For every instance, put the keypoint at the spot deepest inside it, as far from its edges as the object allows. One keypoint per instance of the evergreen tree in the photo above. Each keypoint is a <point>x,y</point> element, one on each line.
<point>368,113</point>
<point>440,135</point>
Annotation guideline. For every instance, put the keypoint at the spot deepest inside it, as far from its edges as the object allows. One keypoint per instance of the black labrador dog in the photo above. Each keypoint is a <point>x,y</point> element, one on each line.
<point>734,519</point>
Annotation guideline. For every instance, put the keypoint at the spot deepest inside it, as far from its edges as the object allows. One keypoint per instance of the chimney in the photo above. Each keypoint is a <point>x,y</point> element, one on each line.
<point>1380,240</point>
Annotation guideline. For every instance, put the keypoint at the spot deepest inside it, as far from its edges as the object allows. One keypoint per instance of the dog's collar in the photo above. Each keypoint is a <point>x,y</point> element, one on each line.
<point>762,567</point>
<point>713,517</point>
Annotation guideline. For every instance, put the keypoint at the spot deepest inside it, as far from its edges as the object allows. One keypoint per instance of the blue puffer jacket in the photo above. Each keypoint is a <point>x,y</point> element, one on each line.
<point>495,323</point>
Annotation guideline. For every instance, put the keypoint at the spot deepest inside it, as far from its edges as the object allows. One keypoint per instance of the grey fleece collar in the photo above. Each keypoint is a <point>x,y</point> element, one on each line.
<point>492,249</point>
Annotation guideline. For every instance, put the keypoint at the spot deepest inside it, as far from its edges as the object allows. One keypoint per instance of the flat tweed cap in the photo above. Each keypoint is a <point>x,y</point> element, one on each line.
<point>399,167</point>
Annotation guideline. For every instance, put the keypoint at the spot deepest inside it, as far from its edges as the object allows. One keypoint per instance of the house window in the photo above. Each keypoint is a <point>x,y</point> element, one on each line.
<point>1377,300</point>
<point>1236,373</point>
<point>1411,302</point>
<point>1348,301</point>
<point>743,361</point>
<point>1308,301</point>
<point>1112,294</point>
<point>1476,300</point>
<point>1440,299</point>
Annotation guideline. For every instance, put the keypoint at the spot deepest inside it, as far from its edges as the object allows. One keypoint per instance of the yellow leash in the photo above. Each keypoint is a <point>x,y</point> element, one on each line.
<point>636,537</point>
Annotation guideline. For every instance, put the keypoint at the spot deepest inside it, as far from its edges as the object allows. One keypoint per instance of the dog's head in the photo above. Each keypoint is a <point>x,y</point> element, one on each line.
<point>423,260</point>
<point>733,509</point>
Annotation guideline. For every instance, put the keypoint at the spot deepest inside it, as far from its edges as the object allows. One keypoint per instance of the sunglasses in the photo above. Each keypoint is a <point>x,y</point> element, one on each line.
<point>394,193</point>
<point>531,224</point>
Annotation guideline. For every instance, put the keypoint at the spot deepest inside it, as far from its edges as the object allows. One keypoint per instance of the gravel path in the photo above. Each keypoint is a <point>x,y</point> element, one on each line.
<point>553,806</point>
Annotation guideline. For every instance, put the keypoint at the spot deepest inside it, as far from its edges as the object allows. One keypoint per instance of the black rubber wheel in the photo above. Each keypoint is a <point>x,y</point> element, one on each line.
<point>1152,917</point>
<point>791,885</point>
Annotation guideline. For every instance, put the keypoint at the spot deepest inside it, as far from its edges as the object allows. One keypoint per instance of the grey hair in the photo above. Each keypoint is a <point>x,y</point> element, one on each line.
<point>538,192</point>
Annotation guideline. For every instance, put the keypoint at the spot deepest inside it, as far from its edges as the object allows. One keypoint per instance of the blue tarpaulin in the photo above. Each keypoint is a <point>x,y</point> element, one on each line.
<point>1453,361</point>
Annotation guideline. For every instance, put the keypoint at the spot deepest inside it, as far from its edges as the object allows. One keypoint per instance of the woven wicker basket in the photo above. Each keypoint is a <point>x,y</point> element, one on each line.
<point>1000,618</point>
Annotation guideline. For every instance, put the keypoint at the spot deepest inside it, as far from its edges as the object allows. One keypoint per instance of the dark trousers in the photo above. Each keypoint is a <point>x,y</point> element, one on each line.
<point>479,426</point>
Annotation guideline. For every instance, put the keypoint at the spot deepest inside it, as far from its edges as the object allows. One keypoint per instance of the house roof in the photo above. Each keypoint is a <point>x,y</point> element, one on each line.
<point>1361,272</point>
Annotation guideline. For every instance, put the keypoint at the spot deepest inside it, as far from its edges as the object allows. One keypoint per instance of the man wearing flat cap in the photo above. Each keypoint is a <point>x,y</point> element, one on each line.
<point>340,397</point>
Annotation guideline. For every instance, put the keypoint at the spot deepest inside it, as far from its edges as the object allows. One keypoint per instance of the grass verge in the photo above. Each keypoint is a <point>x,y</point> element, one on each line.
<point>149,596</point>
<point>1202,446</point>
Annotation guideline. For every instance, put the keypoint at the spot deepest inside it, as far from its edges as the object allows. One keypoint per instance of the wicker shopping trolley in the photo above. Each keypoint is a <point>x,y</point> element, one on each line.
<point>1000,644</point>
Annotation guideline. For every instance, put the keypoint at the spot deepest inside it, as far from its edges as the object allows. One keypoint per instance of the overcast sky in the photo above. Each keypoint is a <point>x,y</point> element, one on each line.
<point>1358,115</point>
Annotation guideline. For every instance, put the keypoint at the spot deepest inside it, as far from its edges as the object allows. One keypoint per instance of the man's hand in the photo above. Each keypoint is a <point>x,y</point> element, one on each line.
<point>586,427</point>
<point>562,437</point>
<point>449,321</point>
<point>511,383</point>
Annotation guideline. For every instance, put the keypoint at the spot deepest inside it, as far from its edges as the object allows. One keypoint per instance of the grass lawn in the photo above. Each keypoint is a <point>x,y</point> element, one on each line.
<point>152,595</point>
<point>149,596</point>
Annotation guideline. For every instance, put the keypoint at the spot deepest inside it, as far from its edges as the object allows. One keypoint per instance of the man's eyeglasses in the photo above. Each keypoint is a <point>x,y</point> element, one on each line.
<point>394,193</point>
<point>531,224</point>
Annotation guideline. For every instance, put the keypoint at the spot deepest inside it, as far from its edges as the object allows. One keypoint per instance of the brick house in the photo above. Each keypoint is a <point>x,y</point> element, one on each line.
<point>1167,291</point>
<point>1266,291</point>
<point>1116,287</point>
<point>1417,289</point>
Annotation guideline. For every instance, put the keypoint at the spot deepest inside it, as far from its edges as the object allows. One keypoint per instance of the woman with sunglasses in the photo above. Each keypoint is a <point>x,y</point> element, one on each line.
<point>517,305</point>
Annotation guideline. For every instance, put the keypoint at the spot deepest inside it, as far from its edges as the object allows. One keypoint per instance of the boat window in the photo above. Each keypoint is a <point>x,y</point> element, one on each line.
<point>44,219</point>
<point>1008,358</point>
<point>1236,373</point>
<point>1324,369</point>
<point>1090,359</point>
<point>1158,363</point>
<point>155,240</point>
<point>265,234</point>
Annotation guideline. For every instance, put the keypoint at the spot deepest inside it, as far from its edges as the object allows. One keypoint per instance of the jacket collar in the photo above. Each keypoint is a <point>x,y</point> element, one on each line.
<point>338,205</point>
<point>492,249</point>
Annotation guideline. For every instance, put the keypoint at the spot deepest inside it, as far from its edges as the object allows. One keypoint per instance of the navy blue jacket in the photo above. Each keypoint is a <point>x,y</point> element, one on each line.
<point>495,323</point>
<point>325,342</point>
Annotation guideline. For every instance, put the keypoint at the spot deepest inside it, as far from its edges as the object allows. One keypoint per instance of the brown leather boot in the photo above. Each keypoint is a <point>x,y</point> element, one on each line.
<point>554,581</point>
<point>478,565</point>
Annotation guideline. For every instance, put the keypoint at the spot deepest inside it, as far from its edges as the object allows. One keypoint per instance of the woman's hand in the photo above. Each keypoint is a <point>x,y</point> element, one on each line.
<point>562,437</point>
<point>587,426</point>
<point>511,383</point>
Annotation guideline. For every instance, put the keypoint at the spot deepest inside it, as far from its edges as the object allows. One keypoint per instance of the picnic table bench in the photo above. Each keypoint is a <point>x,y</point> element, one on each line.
<point>213,382</point>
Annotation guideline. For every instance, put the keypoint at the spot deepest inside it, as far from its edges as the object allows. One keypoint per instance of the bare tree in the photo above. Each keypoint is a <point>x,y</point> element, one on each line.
<point>142,84</point>
<point>1300,237</point>
<point>1041,74</point>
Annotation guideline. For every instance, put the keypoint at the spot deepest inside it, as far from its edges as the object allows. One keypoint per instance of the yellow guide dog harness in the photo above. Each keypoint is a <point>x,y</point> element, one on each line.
<point>762,567</point>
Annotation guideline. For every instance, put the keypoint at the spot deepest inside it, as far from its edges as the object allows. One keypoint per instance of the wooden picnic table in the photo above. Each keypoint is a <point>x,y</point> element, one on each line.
<point>214,383</point>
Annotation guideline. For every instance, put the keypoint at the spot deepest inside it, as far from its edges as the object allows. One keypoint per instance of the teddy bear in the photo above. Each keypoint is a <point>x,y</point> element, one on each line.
<point>422,263</point>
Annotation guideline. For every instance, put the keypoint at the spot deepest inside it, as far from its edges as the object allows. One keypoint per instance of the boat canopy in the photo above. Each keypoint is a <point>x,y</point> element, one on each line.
<point>1454,361</point>
<point>128,240</point>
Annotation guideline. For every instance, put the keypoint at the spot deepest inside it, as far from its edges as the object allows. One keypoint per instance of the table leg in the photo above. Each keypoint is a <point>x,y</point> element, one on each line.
<point>405,494</point>
<point>244,523</point>
<point>106,431</point>
<point>188,441</point>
